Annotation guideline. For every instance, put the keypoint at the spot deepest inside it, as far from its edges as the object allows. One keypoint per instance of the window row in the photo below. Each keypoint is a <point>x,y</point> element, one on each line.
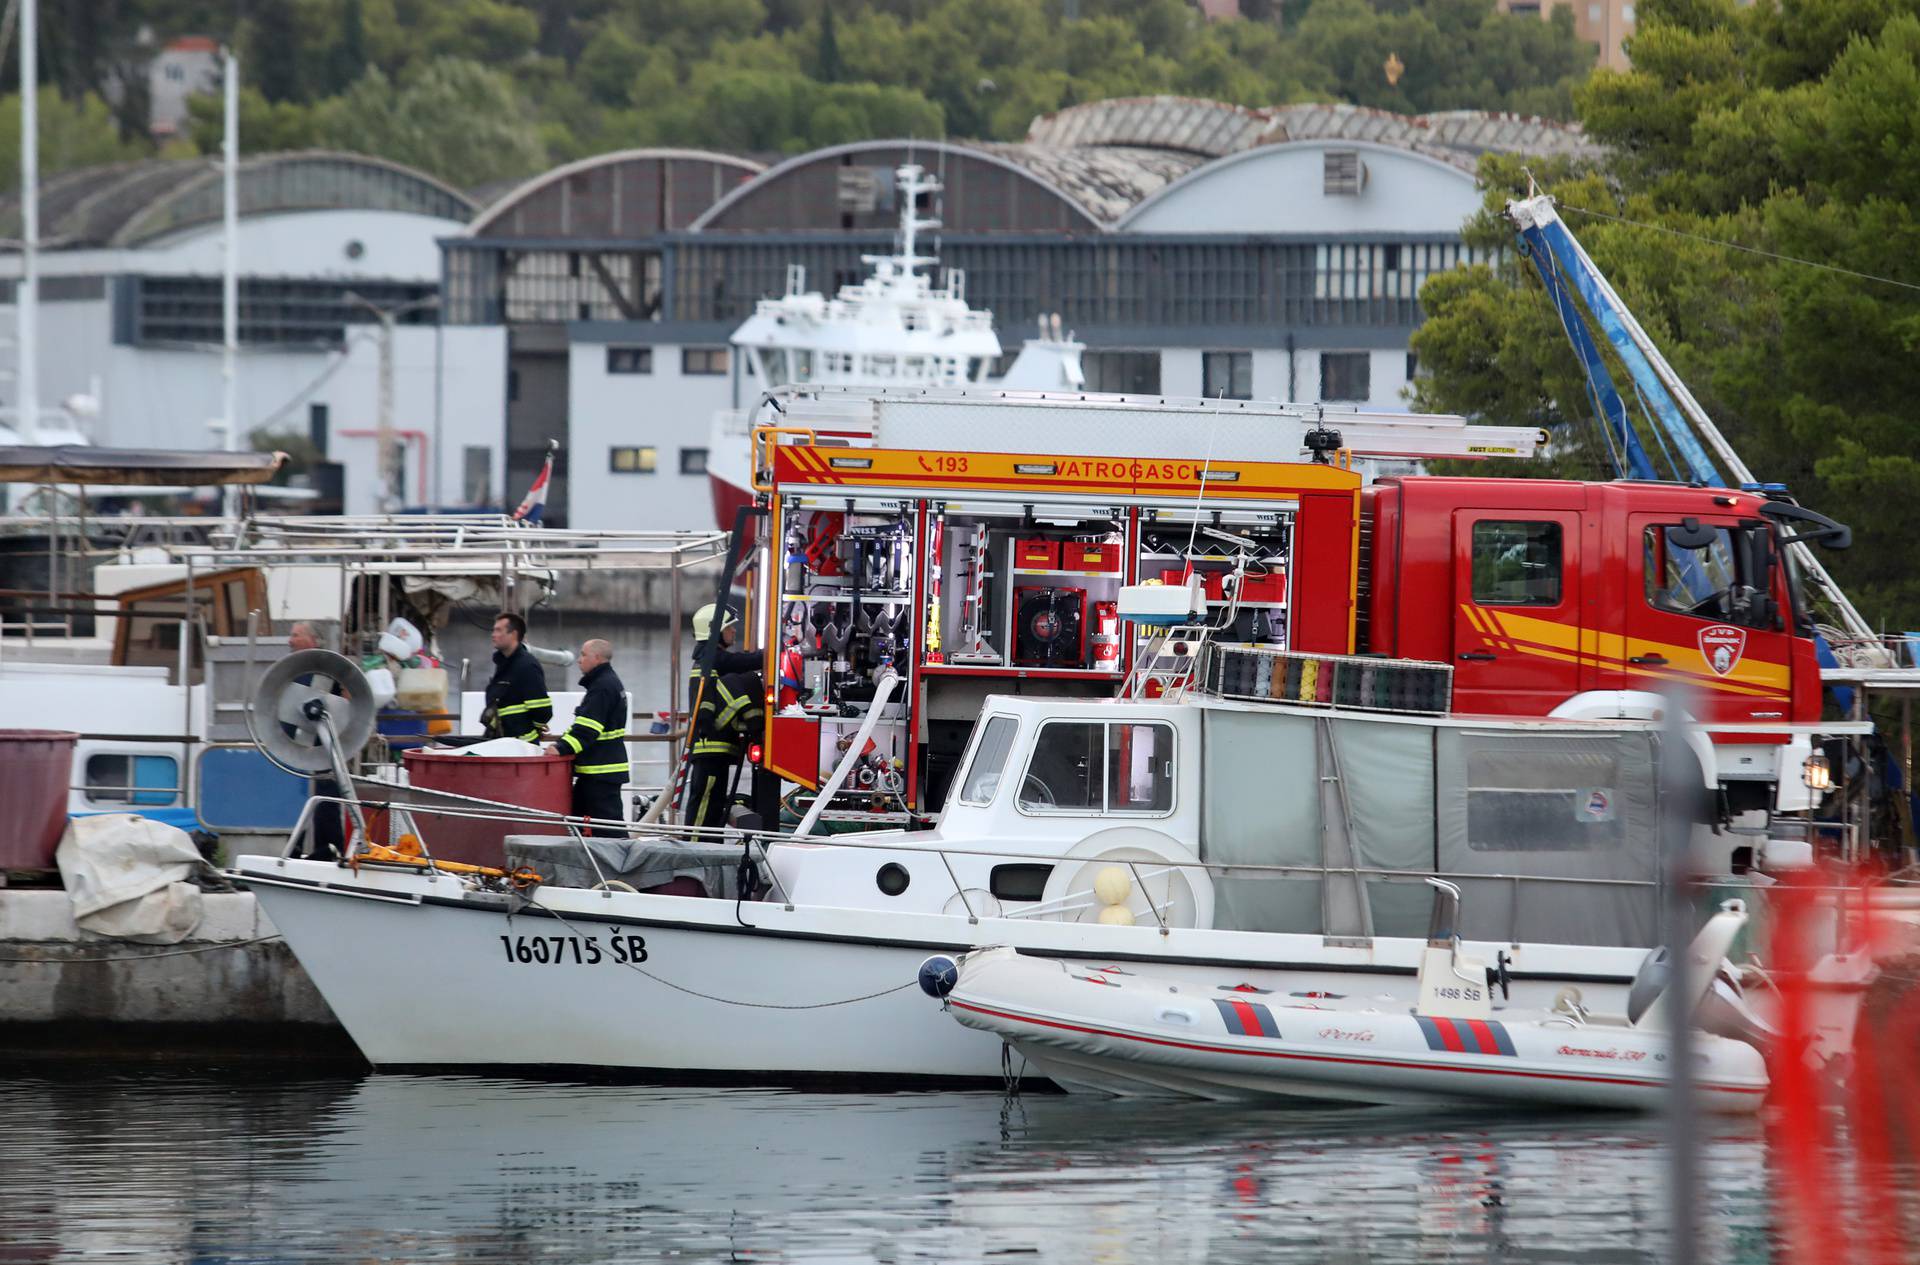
<point>1345,376</point>
<point>1103,282</point>
<point>645,459</point>
<point>694,361</point>
<point>1688,568</point>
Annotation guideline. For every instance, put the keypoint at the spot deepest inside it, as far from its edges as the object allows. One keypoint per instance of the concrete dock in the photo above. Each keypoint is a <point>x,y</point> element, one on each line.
<point>233,992</point>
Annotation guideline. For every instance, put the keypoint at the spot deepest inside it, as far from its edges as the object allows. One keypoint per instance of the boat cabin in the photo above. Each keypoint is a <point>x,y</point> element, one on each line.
<point>1247,811</point>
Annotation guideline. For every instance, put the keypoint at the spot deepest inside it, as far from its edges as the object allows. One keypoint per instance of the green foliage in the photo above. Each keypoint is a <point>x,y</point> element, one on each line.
<point>777,76</point>
<point>451,117</point>
<point>1791,128</point>
<point>780,112</point>
<point>72,134</point>
<point>1456,54</point>
<point>265,125</point>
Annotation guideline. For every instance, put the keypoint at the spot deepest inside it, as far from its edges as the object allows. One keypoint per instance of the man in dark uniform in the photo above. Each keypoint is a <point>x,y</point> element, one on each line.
<point>517,702</point>
<point>597,739</point>
<point>728,689</point>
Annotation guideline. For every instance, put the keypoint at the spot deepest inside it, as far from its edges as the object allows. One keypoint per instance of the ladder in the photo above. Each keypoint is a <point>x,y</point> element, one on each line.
<point>1168,665</point>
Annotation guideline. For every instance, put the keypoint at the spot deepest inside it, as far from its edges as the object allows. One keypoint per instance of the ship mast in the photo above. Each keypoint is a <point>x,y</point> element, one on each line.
<point>910,181</point>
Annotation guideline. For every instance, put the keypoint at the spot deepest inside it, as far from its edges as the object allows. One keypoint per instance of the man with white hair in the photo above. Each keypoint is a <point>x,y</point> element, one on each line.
<point>597,738</point>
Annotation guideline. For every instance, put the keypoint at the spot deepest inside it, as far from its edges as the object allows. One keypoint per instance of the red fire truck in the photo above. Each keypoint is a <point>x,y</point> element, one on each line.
<point>972,573</point>
<point>1552,597</point>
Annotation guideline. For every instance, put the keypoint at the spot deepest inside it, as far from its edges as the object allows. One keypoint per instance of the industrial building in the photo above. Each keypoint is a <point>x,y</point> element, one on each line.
<point>130,314</point>
<point>1196,248</point>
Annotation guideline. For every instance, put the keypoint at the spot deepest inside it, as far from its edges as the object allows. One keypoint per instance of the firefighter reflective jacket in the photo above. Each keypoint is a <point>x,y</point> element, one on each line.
<point>731,706</point>
<point>597,738</point>
<point>517,702</point>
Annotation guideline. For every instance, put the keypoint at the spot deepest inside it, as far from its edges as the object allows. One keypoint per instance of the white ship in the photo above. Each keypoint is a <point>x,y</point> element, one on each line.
<point>897,328</point>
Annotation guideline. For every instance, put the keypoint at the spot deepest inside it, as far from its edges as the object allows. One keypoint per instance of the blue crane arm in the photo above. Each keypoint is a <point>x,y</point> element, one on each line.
<point>1610,317</point>
<point>1629,454</point>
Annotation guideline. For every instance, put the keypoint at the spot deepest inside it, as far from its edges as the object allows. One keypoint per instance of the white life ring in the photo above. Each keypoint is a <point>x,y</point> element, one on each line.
<point>1166,868</point>
<point>977,902</point>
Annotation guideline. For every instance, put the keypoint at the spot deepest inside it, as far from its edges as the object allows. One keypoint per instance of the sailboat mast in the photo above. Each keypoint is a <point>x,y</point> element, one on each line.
<point>27,301</point>
<point>230,269</point>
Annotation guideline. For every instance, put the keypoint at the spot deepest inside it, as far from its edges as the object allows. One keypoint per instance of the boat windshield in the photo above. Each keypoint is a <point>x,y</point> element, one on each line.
<point>1099,766</point>
<point>989,759</point>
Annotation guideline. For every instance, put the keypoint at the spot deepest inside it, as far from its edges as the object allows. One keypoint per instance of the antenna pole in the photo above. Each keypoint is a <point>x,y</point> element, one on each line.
<point>28,299</point>
<point>230,271</point>
<point>909,190</point>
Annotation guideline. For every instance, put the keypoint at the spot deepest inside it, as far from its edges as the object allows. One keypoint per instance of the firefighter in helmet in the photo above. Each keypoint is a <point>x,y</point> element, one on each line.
<point>727,692</point>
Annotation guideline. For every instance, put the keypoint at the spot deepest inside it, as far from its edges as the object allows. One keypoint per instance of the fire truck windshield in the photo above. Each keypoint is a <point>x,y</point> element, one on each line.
<point>1720,577</point>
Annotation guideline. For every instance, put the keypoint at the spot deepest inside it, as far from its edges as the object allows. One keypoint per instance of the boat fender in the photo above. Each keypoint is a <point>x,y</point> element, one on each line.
<point>1112,887</point>
<point>938,975</point>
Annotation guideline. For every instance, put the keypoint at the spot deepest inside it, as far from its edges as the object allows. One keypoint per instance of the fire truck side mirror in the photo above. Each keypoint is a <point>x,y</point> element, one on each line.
<point>1815,528</point>
<point>1762,608</point>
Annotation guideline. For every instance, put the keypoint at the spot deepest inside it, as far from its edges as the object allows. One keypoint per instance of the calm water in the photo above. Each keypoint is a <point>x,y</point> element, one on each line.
<point>175,1167</point>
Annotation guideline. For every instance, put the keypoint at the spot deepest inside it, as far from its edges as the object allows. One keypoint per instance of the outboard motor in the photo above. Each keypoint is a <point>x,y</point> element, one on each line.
<point>1725,1013</point>
<point>1649,982</point>
<point>1718,1006</point>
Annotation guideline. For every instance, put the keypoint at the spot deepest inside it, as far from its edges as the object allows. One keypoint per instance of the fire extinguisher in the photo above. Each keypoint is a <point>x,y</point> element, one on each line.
<point>1106,635</point>
<point>792,674</point>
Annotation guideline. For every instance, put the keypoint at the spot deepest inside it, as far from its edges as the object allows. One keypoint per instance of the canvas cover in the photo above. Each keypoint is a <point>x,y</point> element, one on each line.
<point>1565,804</point>
<point>1347,794</point>
<point>640,863</point>
<point>134,467</point>
<point>126,875</point>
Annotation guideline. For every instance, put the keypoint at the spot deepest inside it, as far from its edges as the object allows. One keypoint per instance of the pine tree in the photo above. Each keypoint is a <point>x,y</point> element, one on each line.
<point>827,65</point>
<point>347,60</point>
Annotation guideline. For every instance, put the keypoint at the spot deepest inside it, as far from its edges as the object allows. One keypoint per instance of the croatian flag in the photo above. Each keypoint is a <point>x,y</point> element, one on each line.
<point>535,503</point>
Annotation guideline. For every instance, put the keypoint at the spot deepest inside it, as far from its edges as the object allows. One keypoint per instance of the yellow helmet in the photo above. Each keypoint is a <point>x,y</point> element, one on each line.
<point>703,621</point>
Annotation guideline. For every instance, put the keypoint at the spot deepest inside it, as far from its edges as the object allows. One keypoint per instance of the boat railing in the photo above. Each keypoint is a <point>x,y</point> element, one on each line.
<point>424,542</point>
<point>1143,877</point>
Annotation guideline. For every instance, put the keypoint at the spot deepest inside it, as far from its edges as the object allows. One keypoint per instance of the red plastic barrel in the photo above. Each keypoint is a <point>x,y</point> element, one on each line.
<point>36,768</point>
<point>525,781</point>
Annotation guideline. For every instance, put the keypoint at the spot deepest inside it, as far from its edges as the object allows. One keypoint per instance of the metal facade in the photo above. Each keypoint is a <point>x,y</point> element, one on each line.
<point>1240,291</point>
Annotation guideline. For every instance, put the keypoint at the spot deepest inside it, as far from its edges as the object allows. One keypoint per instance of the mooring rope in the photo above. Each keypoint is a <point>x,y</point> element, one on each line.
<point>730,1001</point>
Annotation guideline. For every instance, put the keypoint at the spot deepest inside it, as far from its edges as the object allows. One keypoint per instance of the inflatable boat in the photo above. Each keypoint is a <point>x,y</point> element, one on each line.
<point>1227,1032</point>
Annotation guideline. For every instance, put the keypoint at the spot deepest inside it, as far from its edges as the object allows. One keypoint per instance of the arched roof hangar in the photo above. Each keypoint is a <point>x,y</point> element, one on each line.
<point>628,193</point>
<point>989,188</point>
<point>1321,186</point>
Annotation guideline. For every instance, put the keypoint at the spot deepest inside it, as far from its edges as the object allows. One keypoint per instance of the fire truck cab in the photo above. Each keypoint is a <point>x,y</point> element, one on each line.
<point>1561,598</point>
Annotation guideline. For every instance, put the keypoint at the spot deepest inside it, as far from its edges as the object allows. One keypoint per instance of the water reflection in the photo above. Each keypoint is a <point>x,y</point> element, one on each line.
<point>190,1168</point>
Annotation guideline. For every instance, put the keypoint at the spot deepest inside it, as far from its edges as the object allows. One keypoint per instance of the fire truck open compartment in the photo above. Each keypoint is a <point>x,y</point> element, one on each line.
<point>978,574</point>
<point>1032,586</point>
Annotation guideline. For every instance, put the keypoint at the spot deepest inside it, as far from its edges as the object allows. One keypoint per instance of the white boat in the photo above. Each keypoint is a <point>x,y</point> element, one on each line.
<point>189,614</point>
<point>1210,1032</point>
<point>1241,846</point>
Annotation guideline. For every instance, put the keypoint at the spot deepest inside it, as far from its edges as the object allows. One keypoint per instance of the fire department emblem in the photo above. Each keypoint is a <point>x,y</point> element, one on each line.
<point>1722,645</point>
